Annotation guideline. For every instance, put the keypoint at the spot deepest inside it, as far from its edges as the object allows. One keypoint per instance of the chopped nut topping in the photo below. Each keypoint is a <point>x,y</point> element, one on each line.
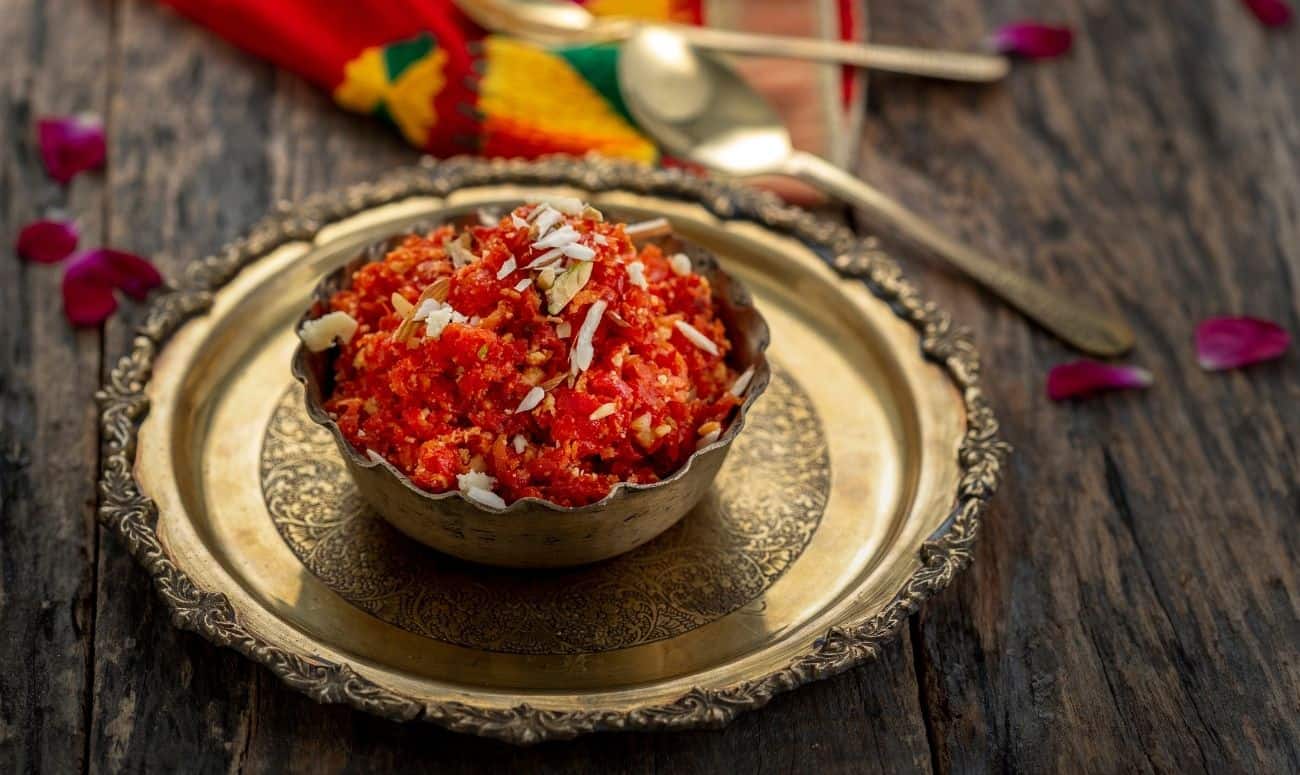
<point>636,275</point>
<point>531,399</point>
<point>680,263</point>
<point>655,227</point>
<point>696,338</point>
<point>459,251</point>
<point>546,278</point>
<point>567,286</point>
<point>320,334</point>
<point>741,384</point>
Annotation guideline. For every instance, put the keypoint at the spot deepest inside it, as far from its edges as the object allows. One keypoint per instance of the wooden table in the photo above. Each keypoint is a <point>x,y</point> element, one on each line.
<point>1135,601</point>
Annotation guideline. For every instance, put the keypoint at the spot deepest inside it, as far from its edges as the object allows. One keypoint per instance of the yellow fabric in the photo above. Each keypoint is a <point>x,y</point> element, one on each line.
<point>409,99</point>
<point>532,90</point>
<point>660,10</point>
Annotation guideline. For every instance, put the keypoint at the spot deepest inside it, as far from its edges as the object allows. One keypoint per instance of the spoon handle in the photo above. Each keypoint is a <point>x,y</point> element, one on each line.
<point>931,63</point>
<point>1063,315</point>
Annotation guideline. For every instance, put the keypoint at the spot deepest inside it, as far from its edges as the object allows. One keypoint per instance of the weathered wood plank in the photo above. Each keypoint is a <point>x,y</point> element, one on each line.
<point>1134,600</point>
<point>862,722</point>
<point>189,170</point>
<point>51,61</point>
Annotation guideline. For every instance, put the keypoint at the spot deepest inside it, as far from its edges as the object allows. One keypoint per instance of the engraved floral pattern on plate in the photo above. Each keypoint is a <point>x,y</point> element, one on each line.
<point>765,507</point>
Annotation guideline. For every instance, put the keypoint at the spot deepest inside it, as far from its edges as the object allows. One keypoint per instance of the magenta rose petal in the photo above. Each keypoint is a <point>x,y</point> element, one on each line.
<point>132,274</point>
<point>1232,342</point>
<point>1084,377</point>
<point>92,277</point>
<point>47,241</point>
<point>70,145</point>
<point>1033,40</point>
<point>88,297</point>
<point>1271,13</point>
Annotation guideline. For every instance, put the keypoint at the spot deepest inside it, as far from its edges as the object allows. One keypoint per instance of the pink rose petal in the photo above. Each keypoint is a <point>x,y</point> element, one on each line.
<point>1032,40</point>
<point>1271,13</point>
<point>70,145</point>
<point>1231,342</point>
<point>92,277</point>
<point>47,242</point>
<point>1085,377</point>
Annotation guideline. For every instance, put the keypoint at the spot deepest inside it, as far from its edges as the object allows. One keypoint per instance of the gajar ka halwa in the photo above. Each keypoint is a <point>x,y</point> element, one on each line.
<point>541,355</point>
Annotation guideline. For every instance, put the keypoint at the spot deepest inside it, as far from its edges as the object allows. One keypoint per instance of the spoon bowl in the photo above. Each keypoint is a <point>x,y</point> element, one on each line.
<point>699,109</point>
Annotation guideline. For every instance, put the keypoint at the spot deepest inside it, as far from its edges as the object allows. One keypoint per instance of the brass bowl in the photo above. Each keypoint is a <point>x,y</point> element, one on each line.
<point>533,532</point>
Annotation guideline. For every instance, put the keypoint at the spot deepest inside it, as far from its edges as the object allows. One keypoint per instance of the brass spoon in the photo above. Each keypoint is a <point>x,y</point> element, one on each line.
<point>700,109</point>
<point>560,21</point>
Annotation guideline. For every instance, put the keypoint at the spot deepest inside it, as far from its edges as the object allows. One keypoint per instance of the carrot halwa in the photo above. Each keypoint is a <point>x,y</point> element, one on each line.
<point>543,355</point>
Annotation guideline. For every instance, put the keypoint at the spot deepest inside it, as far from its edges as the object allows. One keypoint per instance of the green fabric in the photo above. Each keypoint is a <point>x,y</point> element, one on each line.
<point>400,55</point>
<point>381,112</point>
<point>598,65</point>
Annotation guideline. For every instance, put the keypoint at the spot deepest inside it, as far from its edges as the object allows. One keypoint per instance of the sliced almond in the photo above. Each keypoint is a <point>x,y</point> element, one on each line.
<point>566,204</point>
<point>460,252</point>
<point>593,214</point>
<point>603,411</point>
<point>546,259</point>
<point>565,235</point>
<point>641,431</point>
<point>401,306</point>
<point>438,291</point>
<point>655,227</point>
<point>695,337</point>
<point>708,438</point>
<point>531,399</point>
<point>544,219</point>
<point>554,382</point>
<point>584,352</point>
<point>741,384</point>
<point>579,252</point>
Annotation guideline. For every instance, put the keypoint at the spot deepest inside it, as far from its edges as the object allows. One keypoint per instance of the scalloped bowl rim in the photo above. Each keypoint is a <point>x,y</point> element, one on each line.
<point>757,385</point>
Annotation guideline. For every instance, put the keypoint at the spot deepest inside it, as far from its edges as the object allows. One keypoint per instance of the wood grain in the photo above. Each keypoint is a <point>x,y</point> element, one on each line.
<point>1134,605</point>
<point>1134,601</point>
<point>53,62</point>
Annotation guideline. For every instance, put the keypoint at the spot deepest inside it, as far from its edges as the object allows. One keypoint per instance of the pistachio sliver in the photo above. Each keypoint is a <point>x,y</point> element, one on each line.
<point>567,285</point>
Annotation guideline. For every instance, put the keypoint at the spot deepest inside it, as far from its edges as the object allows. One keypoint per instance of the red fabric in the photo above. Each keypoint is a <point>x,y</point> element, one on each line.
<point>317,39</point>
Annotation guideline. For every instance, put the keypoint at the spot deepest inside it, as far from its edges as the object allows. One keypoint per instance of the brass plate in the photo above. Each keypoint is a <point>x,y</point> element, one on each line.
<point>852,495</point>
